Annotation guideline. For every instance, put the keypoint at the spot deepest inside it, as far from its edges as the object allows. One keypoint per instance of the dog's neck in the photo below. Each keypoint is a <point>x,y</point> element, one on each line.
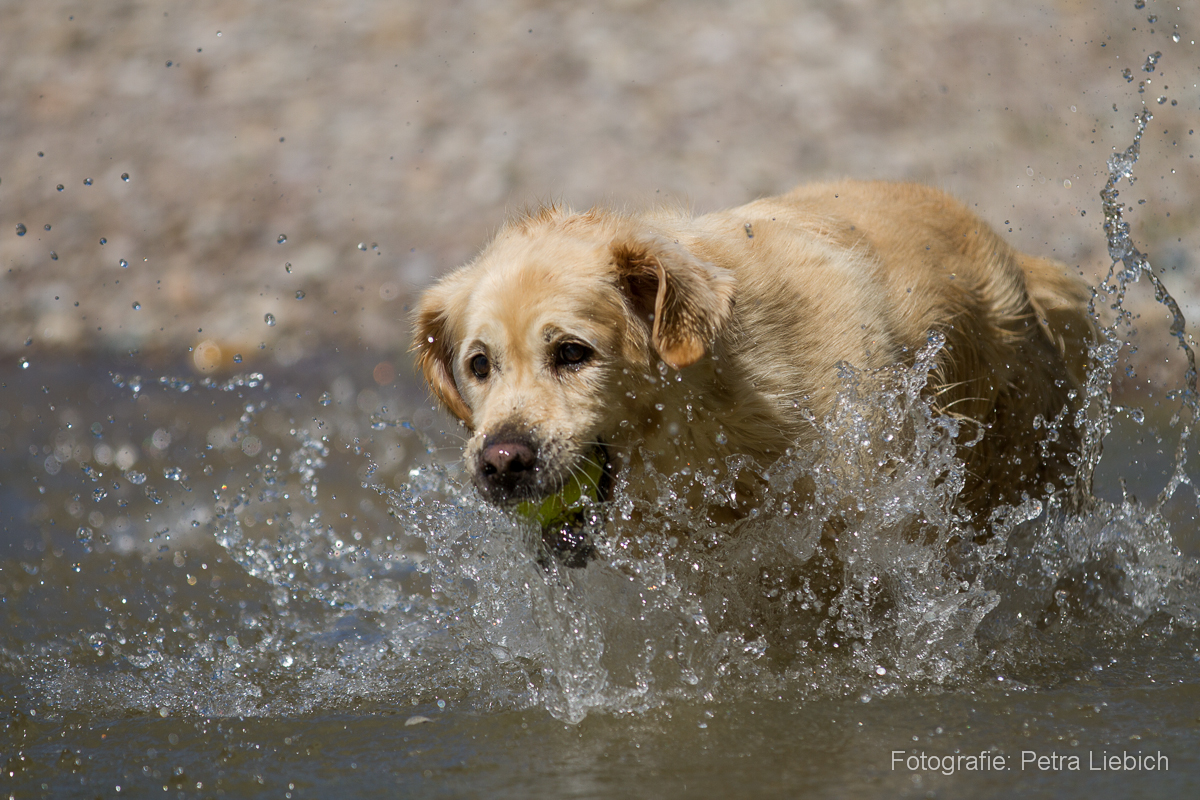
<point>691,421</point>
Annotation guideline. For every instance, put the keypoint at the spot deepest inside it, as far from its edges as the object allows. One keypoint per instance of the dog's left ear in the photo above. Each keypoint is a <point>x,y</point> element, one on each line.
<point>434,348</point>
<point>690,301</point>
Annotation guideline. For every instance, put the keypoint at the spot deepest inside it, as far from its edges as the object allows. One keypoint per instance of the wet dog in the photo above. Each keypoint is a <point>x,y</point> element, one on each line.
<point>665,341</point>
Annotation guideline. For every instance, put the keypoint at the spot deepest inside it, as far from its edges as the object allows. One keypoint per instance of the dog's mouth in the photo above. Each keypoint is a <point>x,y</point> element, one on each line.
<point>569,518</point>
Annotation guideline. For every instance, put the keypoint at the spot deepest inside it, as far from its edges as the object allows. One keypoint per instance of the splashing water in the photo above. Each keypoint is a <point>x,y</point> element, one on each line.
<point>279,587</point>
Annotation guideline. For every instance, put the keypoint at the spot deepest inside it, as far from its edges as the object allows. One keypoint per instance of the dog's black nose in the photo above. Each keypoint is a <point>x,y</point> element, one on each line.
<point>504,466</point>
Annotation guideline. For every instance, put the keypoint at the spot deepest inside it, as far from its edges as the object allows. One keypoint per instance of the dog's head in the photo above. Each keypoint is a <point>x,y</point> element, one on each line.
<point>542,345</point>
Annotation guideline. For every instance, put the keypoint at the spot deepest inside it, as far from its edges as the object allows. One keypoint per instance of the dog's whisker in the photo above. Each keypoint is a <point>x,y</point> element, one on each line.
<point>598,443</point>
<point>581,474</point>
<point>945,409</point>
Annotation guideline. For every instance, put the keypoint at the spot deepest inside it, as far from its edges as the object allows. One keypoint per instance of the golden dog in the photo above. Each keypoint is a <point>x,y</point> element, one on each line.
<point>669,341</point>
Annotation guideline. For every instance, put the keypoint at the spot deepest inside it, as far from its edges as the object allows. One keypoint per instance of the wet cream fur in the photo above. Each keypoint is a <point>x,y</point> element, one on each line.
<point>712,333</point>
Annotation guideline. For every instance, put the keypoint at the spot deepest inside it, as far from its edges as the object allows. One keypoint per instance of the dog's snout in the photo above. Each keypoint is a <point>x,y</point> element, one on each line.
<point>506,468</point>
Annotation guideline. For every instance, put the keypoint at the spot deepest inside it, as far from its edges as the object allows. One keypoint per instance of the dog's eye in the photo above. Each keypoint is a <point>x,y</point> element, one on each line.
<point>480,366</point>
<point>572,354</point>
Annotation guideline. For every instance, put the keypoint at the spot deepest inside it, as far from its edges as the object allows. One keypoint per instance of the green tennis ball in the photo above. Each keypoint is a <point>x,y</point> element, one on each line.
<point>563,509</point>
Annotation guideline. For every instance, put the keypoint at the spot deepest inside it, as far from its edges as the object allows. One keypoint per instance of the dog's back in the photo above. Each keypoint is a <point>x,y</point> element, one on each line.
<point>908,260</point>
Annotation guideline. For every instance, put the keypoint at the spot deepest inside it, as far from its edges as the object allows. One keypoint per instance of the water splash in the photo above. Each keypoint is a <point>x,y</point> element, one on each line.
<point>286,574</point>
<point>1129,264</point>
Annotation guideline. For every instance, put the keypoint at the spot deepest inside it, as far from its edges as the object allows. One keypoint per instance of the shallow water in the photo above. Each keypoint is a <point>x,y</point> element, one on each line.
<point>278,583</point>
<point>309,653</point>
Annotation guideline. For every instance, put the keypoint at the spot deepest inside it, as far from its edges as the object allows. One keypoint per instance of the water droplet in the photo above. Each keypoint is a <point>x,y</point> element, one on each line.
<point>1067,183</point>
<point>168,63</point>
<point>46,227</point>
<point>21,229</point>
<point>1127,74</point>
<point>1151,61</point>
<point>173,474</point>
<point>300,294</point>
<point>125,177</point>
<point>282,239</point>
<point>124,264</point>
<point>136,478</point>
<point>28,341</point>
<point>99,494</point>
<point>270,320</point>
<point>103,240</point>
<point>721,438</point>
<point>288,268</point>
<point>41,154</point>
<point>23,363</point>
<point>325,399</point>
<point>137,306</point>
<point>53,256</point>
<point>1139,4</point>
<point>1162,99</point>
<point>218,33</point>
<point>362,246</point>
<point>87,181</point>
<point>1029,171</point>
<point>1175,38</point>
<point>237,358</point>
<point>60,187</point>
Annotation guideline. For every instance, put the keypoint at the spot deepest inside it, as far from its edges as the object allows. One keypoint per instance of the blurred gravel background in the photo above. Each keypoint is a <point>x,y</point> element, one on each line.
<point>385,139</point>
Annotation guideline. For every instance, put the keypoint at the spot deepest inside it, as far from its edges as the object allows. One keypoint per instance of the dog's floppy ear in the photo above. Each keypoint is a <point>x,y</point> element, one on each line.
<point>689,300</point>
<point>434,348</point>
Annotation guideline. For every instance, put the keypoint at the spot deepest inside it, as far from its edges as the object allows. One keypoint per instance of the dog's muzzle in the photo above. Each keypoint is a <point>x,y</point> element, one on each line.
<point>509,472</point>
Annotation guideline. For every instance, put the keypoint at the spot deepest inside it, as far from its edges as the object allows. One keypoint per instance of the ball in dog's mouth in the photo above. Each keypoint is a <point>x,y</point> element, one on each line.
<point>565,518</point>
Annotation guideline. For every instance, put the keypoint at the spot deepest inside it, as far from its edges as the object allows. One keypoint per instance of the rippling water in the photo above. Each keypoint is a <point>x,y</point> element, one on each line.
<point>279,583</point>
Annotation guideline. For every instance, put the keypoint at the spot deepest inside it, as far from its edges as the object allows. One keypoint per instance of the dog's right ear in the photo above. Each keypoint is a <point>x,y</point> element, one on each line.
<point>434,349</point>
<point>688,301</point>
